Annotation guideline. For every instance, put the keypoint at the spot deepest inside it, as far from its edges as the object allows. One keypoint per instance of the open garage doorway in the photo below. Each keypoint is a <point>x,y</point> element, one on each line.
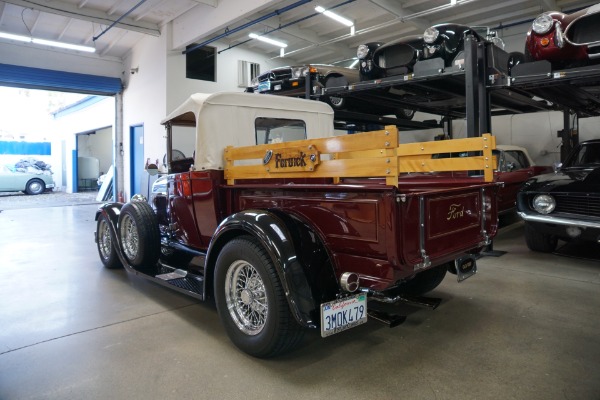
<point>66,138</point>
<point>78,121</point>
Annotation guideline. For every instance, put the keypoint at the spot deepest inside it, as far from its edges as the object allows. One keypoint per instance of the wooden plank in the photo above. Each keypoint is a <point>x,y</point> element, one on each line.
<point>387,138</point>
<point>370,154</point>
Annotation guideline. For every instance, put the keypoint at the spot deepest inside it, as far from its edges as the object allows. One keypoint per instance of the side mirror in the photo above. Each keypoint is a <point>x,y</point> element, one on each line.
<point>556,166</point>
<point>152,169</point>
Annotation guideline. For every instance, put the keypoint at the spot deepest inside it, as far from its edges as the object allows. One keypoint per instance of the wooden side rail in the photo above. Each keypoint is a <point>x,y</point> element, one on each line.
<point>315,158</point>
<point>369,154</point>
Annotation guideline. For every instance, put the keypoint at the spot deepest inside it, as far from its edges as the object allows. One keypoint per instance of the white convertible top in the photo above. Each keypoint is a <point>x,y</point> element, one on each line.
<point>228,119</point>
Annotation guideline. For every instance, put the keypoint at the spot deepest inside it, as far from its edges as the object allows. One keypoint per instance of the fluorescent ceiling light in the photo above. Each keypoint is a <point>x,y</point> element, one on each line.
<point>353,63</point>
<point>452,2</point>
<point>44,42</point>
<point>335,16</point>
<point>267,40</point>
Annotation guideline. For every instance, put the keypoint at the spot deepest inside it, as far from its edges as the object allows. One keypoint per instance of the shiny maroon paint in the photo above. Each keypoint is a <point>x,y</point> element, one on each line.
<point>556,55</point>
<point>365,225</point>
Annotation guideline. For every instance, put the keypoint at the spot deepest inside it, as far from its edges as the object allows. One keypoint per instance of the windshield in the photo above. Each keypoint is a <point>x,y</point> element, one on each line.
<point>586,155</point>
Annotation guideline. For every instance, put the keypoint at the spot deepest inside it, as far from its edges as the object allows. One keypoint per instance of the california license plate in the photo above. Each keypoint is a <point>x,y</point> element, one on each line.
<point>342,314</point>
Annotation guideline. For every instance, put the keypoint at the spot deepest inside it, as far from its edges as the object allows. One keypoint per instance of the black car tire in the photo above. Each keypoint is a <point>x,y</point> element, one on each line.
<point>251,301</point>
<point>139,234</point>
<point>106,244</point>
<point>405,113</point>
<point>35,186</point>
<point>337,103</point>
<point>539,241</point>
<point>425,281</point>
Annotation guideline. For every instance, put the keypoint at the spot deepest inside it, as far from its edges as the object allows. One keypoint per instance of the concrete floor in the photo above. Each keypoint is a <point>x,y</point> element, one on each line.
<point>525,327</point>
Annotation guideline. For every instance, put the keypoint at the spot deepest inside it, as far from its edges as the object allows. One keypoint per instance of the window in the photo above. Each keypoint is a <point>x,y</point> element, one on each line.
<point>201,63</point>
<point>276,130</point>
<point>588,154</point>
<point>516,159</point>
<point>511,160</point>
<point>246,72</point>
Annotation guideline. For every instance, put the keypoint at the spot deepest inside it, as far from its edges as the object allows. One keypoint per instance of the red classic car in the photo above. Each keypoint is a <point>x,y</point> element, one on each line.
<point>565,40</point>
<point>514,168</point>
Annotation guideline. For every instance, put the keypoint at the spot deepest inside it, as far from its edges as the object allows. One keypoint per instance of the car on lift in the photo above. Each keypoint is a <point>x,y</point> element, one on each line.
<point>27,180</point>
<point>565,40</point>
<point>291,81</point>
<point>565,204</point>
<point>443,42</point>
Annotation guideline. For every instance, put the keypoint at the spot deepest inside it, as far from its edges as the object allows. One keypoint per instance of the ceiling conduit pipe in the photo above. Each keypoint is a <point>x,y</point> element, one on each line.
<point>288,24</point>
<point>118,20</point>
<point>379,26</point>
<point>253,22</point>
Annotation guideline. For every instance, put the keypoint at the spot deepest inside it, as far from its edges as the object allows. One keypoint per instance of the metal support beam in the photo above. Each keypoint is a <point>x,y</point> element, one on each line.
<point>485,112</point>
<point>471,87</point>
<point>569,134</point>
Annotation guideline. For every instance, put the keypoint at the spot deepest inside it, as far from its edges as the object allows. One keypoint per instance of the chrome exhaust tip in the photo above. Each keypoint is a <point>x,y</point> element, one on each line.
<point>350,282</point>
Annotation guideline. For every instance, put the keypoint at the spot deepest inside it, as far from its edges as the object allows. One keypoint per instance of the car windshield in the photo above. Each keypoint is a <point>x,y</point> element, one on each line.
<point>587,155</point>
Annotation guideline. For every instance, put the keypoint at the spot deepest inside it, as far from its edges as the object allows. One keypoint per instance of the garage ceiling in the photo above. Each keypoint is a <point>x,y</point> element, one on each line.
<point>311,36</point>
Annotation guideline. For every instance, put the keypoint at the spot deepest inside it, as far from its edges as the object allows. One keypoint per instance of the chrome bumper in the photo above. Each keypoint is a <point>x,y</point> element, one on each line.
<point>558,220</point>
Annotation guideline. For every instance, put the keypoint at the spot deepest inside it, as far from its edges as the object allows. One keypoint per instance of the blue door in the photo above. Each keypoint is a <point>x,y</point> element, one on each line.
<point>137,158</point>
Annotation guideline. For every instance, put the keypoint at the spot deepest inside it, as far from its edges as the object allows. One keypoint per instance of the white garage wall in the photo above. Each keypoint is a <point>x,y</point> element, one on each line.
<point>179,87</point>
<point>144,100</point>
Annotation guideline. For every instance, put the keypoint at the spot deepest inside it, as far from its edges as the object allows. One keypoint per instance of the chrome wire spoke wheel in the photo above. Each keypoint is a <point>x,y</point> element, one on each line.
<point>336,101</point>
<point>246,297</point>
<point>104,239</point>
<point>129,237</point>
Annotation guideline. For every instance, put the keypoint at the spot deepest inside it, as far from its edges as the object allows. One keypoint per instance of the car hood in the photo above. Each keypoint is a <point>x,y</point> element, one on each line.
<point>583,180</point>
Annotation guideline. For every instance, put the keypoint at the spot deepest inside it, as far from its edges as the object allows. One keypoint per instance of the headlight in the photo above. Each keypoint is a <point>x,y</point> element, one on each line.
<point>544,204</point>
<point>430,35</point>
<point>298,72</point>
<point>542,24</point>
<point>362,51</point>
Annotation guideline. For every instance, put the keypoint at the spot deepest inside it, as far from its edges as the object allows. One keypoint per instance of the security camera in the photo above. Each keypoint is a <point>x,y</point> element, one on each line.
<point>134,70</point>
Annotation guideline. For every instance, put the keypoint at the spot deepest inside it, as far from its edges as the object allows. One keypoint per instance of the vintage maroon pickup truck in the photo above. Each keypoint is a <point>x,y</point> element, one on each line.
<point>288,226</point>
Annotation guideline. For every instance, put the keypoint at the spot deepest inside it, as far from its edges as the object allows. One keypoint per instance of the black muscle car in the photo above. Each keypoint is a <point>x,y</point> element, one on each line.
<point>566,204</point>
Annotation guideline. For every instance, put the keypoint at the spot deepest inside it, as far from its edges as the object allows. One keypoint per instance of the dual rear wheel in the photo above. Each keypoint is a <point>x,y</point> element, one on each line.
<point>137,232</point>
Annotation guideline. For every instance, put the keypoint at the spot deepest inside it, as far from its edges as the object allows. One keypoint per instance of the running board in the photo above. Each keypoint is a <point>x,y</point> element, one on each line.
<point>178,280</point>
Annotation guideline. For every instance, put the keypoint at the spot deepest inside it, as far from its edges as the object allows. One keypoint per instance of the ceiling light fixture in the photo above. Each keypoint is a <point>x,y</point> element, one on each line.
<point>452,2</point>
<point>334,16</point>
<point>353,63</point>
<point>267,40</point>
<point>45,42</point>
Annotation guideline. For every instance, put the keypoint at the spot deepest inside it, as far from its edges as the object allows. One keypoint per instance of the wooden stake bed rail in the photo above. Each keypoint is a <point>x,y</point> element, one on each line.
<point>369,154</point>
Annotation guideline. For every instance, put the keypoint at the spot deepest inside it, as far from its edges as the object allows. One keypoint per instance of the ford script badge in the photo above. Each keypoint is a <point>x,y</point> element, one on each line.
<point>267,157</point>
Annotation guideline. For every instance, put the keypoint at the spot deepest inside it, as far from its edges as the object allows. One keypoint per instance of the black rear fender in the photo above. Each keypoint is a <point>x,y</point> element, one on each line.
<point>301,260</point>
